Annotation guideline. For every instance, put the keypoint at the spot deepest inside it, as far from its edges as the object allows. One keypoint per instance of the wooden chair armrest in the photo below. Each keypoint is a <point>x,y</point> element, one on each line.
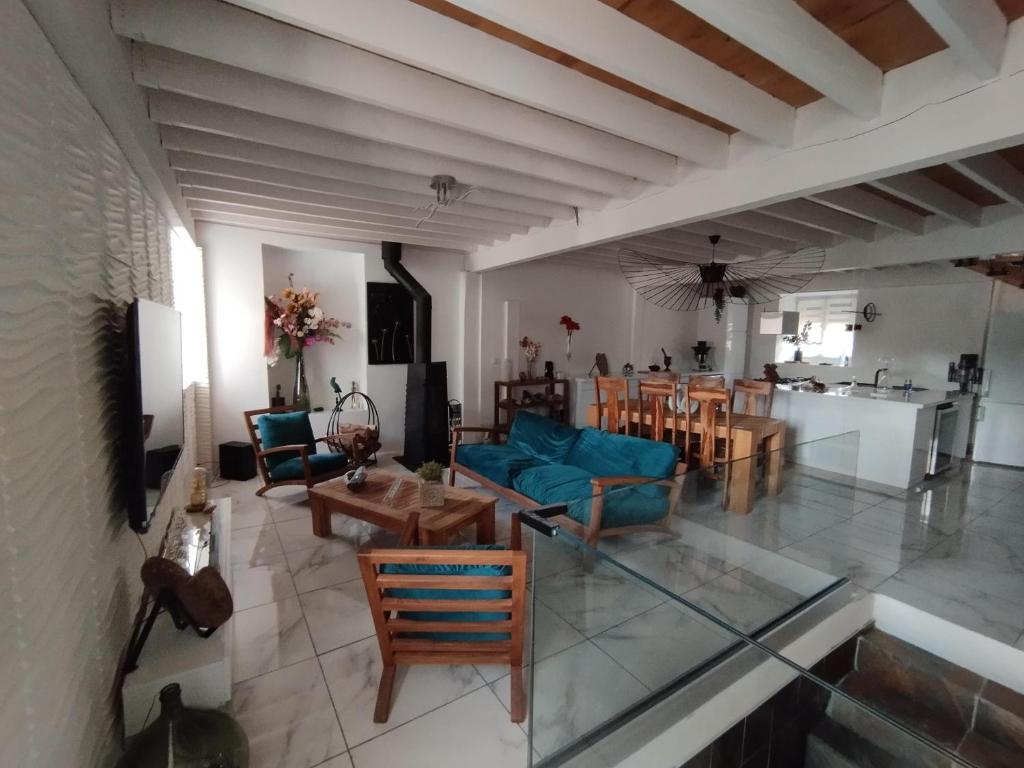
<point>301,449</point>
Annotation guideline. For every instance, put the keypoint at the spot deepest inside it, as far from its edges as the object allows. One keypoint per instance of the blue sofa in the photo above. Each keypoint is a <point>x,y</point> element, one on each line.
<point>606,479</point>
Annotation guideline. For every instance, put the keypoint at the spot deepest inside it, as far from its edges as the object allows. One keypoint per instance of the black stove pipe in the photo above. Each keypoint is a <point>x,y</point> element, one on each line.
<point>391,253</point>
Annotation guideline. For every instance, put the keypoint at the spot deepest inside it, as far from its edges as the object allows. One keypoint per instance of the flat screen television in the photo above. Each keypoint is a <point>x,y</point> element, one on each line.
<point>154,411</point>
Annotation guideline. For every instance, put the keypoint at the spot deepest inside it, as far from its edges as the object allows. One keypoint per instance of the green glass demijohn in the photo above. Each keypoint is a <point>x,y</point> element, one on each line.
<point>188,737</point>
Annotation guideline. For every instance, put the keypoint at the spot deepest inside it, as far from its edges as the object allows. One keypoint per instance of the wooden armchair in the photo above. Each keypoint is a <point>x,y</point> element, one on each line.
<point>287,455</point>
<point>447,606</point>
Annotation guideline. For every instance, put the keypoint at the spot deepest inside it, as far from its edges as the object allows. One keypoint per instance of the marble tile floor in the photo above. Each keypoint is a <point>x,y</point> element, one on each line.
<point>306,661</point>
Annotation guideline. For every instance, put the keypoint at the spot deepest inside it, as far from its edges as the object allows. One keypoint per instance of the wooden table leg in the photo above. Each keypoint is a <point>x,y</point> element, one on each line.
<point>742,472</point>
<point>429,538</point>
<point>321,517</point>
<point>773,470</point>
<point>485,526</point>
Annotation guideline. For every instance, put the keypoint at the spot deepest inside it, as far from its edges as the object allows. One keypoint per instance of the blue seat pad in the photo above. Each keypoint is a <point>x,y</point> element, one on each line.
<point>450,569</point>
<point>319,464</point>
<point>498,463</point>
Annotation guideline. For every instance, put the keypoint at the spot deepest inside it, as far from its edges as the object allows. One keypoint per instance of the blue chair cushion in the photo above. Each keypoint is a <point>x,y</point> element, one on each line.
<point>551,483</point>
<point>289,428</point>
<point>607,454</point>
<point>623,505</point>
<point>498,463</point>
<point>546,440</point>
<point>319,464</point>
<point>450,569</point>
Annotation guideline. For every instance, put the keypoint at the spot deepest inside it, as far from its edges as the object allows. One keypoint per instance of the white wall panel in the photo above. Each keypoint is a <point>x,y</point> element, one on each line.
<point>79,238</point>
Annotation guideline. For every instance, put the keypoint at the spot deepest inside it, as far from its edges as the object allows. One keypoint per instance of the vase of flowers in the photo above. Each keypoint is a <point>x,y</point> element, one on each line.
<point>431,487</point>
<point>797,339</point>
<point>531,351</point>
<point>295,321</point>
<point>570,326</point>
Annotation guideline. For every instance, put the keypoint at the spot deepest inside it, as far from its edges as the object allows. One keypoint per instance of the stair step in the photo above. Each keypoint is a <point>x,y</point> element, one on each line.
<point>900,672</point>
<point>989,754</point>
<point>834,745</point>
<point>1000,717</point>
<point>869,728</point>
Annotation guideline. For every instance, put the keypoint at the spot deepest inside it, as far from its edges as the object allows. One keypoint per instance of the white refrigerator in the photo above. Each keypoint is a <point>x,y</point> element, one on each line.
<point>999,429</point>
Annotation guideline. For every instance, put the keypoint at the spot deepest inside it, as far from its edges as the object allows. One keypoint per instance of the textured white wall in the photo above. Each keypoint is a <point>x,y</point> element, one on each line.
<point>78,239</point>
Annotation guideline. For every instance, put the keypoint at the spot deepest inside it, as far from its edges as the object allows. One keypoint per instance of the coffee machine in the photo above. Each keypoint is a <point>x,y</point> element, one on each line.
<point>702,354</point>
<point>967,373</point>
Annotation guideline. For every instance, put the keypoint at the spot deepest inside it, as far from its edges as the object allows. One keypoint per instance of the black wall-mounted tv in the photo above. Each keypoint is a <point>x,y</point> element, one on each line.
<point>154,431</point>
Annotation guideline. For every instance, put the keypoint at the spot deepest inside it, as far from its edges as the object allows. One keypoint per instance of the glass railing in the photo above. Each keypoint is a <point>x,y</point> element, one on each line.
<point>688,628</point>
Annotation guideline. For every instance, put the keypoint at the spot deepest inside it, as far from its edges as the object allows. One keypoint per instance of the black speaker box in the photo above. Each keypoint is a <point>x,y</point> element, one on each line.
<point>237,461</point>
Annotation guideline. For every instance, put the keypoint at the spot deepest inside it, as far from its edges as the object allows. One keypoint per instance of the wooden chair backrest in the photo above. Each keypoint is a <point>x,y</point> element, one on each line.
<point>251,426</point>
<point>616,403</point>
<point>752,393</point>
<point>713,407</point>
<point>706,382</point>
<point>395,649</point>
<point>658,400</point>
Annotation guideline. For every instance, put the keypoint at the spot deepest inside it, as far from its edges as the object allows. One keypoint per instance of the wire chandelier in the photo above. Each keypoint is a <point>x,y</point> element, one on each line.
<point>684,285</point>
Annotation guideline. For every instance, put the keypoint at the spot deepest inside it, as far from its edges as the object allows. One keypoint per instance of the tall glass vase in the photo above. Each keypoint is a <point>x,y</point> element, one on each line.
<point>300,390</point>
<point>568,350</point>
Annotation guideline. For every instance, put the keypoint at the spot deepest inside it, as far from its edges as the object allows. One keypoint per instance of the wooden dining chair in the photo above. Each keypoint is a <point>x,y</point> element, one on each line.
<point>459,605</point>
<point>750,393</point>
<point>658,405</point>
<point>706,382</point>
<point>712,411</point>
<point>616,404</point>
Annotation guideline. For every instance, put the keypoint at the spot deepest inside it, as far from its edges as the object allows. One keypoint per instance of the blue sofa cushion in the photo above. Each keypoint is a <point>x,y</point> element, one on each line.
<point>546,440</point>
<point>498,463</point>
<point>551,483</point>
<point>289,428</point>
<point>319,464</point>
<point>449,569</point>
<point>606,454</point>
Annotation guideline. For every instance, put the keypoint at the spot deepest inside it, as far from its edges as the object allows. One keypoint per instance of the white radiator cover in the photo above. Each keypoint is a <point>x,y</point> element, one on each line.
<point>79,238</point>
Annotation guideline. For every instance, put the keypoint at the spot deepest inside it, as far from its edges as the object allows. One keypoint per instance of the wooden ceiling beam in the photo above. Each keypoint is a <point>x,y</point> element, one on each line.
<point>236,37</point>
<point>799,235</point>
<point>605,38</point>
<point>975,31</point>
<point>211,171</point>
<point>274,223</point>
<point>822,217</point>
<point>872,207</point>
<point>993,172</point>
<point>242,192</point>
<point>922,191</point>
<point>789,37</point>
<point>417,36</point>
<point>213,96</point>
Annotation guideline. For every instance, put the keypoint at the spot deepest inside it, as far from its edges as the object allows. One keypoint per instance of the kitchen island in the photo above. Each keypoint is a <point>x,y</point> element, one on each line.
<point>884,439</point>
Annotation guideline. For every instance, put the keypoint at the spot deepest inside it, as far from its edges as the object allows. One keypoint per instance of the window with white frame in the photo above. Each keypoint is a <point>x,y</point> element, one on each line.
<point>825,315</point>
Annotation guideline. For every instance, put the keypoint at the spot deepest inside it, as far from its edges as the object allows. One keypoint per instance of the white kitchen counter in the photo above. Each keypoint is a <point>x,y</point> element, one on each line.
<point>894,432</point>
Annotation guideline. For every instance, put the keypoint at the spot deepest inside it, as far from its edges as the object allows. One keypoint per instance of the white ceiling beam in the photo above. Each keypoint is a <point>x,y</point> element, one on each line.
<point>374,231</point>
<point>679,253</point>
<point>859,202</point>
<point>371,184</point>
<point>410,33</point>
<point>789,37</point>
<point>600,35</point>
<point>975,31</point>
<point>172,109</point>
<point>219,185</point>
<point>417,221</point>
<point>922,191</point>
<point>738,235</point>
<point>398,137</point>
<point>317,230</point>
<point>371,222</point>
<point>823,217</point>
<point>230,35</point>
<point>678,237</point>
<point>995,174</point>
<point>798,234</point>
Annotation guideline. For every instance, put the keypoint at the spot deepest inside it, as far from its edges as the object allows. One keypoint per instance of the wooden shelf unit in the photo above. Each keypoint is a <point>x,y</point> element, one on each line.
<point>559,411</point>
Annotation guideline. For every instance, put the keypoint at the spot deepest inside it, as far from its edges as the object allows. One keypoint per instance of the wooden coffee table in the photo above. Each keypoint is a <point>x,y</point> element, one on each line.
<point>462,508</point>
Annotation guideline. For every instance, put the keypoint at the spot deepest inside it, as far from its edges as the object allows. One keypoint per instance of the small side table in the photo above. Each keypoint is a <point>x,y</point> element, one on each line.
<point>555,404</point>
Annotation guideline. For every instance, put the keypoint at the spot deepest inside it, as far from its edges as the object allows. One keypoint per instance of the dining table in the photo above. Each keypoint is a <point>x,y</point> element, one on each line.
<point>752,436</point>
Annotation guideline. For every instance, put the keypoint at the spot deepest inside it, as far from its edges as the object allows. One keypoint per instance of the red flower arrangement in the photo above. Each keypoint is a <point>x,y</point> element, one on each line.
<point>570,325</point>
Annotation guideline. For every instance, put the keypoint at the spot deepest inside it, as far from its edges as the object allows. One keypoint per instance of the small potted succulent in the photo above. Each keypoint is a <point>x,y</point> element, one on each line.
<point>431,487</point>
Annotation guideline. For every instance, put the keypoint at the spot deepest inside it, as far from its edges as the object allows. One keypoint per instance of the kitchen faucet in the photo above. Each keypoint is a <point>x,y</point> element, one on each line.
<point>878,373</point>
